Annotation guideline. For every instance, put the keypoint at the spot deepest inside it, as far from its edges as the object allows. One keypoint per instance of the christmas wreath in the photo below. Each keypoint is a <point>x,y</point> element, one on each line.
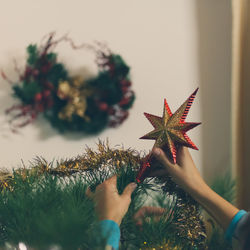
<point>71,103</point>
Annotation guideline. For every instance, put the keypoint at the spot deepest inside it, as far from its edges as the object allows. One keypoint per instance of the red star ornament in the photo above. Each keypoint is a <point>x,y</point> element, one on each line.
<point>170,129</point>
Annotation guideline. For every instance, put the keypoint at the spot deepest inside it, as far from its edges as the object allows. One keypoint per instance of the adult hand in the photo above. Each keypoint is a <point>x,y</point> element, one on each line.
<point>109,205</point>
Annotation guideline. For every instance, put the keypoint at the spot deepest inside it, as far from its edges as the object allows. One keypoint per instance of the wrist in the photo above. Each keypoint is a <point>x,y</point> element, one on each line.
<point>112,218</point>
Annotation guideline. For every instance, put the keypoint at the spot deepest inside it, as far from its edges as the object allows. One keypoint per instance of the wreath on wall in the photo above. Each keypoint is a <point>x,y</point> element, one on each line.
<point>71,103</point>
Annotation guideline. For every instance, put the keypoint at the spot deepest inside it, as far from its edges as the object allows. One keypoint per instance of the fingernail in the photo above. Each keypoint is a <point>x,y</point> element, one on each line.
<point>133,185</point>
<point>157,151</point>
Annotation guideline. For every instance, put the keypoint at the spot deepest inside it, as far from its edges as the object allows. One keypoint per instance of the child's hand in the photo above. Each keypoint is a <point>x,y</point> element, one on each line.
<point>188,177</point>
<point>109,205</point>
<point>184,172</point>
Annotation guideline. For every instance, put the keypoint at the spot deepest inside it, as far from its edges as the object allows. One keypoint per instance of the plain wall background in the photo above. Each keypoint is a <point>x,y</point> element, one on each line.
<point>171,46</point>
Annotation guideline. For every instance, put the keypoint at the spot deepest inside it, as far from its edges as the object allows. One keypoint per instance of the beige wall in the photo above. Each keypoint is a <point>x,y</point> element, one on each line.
<point>160,40</point>
<point>214,24</point>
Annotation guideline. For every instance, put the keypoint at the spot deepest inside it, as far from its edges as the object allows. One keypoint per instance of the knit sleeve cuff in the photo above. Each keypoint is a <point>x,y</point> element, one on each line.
<point>231,228</point>
<point>110,231</point>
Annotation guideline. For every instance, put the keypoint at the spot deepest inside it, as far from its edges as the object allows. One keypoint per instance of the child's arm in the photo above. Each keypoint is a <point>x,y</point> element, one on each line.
<point>188,177</point>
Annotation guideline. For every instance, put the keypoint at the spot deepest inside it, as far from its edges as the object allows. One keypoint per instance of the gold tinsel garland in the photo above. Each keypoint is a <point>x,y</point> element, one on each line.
<point>106,157</point>
<point>161,247</point>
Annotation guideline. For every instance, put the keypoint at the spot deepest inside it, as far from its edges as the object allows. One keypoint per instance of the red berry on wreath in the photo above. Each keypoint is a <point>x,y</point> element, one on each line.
<point>103,106</point>
<point>124,101</point>
<point>124,89</point>
<point>125,83</point>
<point>35,72</point>
<point>38,97</point>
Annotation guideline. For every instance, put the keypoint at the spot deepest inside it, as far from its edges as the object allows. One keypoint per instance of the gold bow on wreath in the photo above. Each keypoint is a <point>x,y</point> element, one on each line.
<point>75,92</point>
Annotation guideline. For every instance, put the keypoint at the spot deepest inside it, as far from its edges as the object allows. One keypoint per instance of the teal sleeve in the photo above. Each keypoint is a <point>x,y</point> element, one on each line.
<point>110,231</point>
<point>233,224</point>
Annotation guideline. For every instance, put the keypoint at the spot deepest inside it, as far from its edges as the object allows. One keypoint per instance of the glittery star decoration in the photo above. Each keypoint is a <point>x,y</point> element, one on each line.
<point>170,129</point>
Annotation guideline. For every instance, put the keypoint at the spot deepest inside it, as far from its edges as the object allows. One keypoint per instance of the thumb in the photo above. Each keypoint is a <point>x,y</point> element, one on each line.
<point>161,156</point>
<point>129,189</point>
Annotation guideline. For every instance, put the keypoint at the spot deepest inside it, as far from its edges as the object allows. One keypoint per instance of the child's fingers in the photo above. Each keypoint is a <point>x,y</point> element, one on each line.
<point>111,183</point>
<point>112,179</point>
<point>147,211</point>
<point>143,212</point>
<point>129,189</point>
<point>161,156</point>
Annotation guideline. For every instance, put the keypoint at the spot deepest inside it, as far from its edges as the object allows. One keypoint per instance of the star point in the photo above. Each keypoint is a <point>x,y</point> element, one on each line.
<point>170,130</point>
